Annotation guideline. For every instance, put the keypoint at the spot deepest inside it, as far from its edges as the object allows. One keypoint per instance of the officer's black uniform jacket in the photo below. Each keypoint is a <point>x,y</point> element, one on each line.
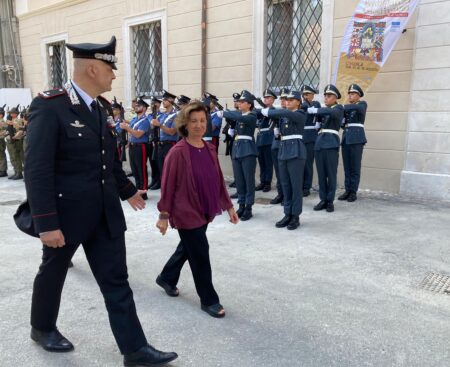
<point>74,177</point>
<point>354,113</point>
<point>245,125</point>
<point>331,118</point>
<point>310,134</point>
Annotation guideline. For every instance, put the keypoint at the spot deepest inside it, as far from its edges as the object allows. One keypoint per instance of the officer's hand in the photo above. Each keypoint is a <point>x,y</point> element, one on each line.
<point>162,225</point>
<point>155,122</point>
<point>136,201</point>
<point>233,216</point>
<point>124,126</point>
<point>53,238</point>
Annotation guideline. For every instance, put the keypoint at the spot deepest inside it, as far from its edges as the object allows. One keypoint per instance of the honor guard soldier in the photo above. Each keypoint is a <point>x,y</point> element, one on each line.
<point>207,136</point>
<point>168,136</point>
<point>74,182</point>
<point>152,147</point>
<point>264,139</point>
<point>3,133</point>
<point>309,136</point>
<point>244,152</point>
<point>25,115</point>
<point>291,157</point>
<point>275,147</point>
<point>327,146</point>
<point>14,142</point>
<point>182,101</point>
<point>353,141</point>
<point>122,136</point>
<point>137,131</point>
<point>216,121</point>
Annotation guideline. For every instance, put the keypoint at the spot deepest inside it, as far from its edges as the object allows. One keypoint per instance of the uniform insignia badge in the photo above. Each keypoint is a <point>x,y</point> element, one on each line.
<point>110,122</point>
<point>77,124</point>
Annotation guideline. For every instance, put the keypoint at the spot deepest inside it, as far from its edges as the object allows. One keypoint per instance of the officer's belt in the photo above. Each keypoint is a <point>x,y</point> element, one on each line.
<point>310,127</point>
<point>207,138</point>
<point>264,129</point>
<point>290,137</point>
<point>355,125</point>
<point>243,137</point>
<point>331,131</point>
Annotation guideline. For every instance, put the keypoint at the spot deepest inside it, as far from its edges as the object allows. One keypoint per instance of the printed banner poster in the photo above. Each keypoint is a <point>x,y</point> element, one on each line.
<point>369,38</point>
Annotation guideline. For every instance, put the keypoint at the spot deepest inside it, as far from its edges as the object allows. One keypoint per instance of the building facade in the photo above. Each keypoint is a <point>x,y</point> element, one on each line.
<point>224,46</point>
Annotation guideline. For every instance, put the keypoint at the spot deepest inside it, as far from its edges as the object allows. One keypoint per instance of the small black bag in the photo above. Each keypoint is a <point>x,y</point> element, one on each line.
<point>24,220</point>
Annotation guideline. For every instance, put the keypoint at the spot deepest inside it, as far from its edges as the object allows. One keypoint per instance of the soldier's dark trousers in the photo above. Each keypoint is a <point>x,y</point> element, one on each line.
<point>139,164</point>
<point>3,160</point>
<point>244,176</point>
<point>326,164</point>
<point>274,153</point>
<point>194,248</point>
<point>291,177</point>
<point>153,163</point>
<point>265,164</point>
<point>352,156</point>
<point>309,166</point>
<point>15,151</point>
<point>163,150</point>
<point>107,260</point>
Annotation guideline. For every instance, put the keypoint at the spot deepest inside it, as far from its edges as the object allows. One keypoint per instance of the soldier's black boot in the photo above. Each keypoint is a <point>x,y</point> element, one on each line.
<point>234,196</point>
<point>247,213</point>
<point>294,223</point>
<point>306,193</point>
<point>344,196</point>
<point>259,187</point>
<point>3,174</point>
<point>148,356</point>
<point>18,176</point>
<point>352,197</point>
<point>240,211</point>
<point>277,199</point>
<point>283,222</point>
<point>232,184</point>
<point>266,187</point>
<point>330,207</point>
<point>13,176</point>
<point>321,206</point>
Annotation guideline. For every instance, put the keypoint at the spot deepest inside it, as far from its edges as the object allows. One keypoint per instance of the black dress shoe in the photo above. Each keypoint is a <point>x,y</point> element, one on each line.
<point>283,222</point>
<point>352,197</point>
<point>266,188</point>
<point>240,211</point>
<point>233,184</point>
<point>306,193</point>
<point>344,196</point>
<point>234,196</point>
<point>294,223</point>
<point>52,341</point>
<point>170,290</point>
<point>277,199</point>
<point>70,264</point>
<point>148,356</point>
<point>321,206</point>
<point>17,176</point>
<point>214,310</point>
<point>3,174</point>
<point>259,187</point>
<point>12,177</point>
<point>247,213</point>
<point>155,186</point>
<point>330,207</point>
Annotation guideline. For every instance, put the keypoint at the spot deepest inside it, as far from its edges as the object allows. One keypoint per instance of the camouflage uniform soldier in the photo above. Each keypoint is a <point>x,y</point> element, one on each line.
<point>14,143</point>
<point>3,132</point>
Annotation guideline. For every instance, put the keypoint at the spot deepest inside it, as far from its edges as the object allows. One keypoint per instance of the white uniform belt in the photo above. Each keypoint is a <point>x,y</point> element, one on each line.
<point>331,131</point>
<point>290,137</point>
<point>355,125</point>
<point>310,127</point>
<point>265,129</point>
<point>243,137</point>
<point>207,138</point>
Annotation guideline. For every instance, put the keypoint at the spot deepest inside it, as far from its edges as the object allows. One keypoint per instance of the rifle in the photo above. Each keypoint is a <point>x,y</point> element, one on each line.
<point>155,129</point>
<point>10,131</point>
<point>261,103</point>
<point>123,136</point>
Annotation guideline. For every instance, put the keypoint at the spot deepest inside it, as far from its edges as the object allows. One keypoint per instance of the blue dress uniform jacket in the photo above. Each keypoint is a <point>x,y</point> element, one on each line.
<point>265,130</point>
<point>217,122</point>
<point>354,114</point>
<point>331,118</point>
<point>310,133</point>
<point>167,120</point>
<point>245,125</point>
<point>74,174</point>
<point>292,123</point>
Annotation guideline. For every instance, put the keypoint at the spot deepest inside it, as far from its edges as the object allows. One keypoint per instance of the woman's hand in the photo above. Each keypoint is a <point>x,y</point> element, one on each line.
<point>233,216</point>
<point>162,225</point>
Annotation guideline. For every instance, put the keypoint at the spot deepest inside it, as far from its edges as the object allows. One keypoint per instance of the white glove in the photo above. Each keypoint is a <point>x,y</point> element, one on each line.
<point>219,113</point>
<point>265,112</point>
<point>317,125</point>
<point>312,110</point>
<point>231,132</point>
<point>276,132</point>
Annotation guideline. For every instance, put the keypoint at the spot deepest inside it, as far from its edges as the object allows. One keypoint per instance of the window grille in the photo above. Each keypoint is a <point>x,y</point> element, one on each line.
<point>147,59</point>
<point>293,43</point>
<point>57,65</point>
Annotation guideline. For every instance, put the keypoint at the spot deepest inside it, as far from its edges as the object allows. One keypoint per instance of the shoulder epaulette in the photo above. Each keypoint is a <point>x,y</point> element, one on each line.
<point>52,93</point>
<point>104,100</point>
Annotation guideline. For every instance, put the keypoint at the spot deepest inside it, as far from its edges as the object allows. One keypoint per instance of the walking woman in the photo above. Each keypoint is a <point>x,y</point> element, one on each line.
<point>244,152</point>
<point>291,157</point>
<point>193,192</point>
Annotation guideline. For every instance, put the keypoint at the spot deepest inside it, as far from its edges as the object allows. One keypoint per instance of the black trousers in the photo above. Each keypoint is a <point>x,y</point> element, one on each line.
<point>194,248</point>
<point>326,164</point>
<point>309,166</point>
<point>244,176</point>
<point>107,259</point>
<point>156,177</point>
<point>291,176</point>
<point>139,164</point>
<point>277,171</point>
<point>265,164</point>
<point>352,157</point>
<point>163,150</point>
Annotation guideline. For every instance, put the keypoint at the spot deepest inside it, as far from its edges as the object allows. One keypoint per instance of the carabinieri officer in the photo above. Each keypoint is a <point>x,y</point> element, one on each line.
<point>291,157</point>
<point>353,141</point>
<point>327,146</point>
<point>244,152</point>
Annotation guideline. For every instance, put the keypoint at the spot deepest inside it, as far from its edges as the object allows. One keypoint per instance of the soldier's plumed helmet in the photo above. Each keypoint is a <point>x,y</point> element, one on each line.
<point>331,89</point>
<point>269,93</point>
<point>15,110</point>
<point>236,97</point>
<point>105,52</point>
<point>356,89</point>
<point>115,104</point>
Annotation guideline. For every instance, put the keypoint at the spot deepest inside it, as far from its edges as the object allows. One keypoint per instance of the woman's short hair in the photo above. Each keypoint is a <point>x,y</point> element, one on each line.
<point>183,117</point>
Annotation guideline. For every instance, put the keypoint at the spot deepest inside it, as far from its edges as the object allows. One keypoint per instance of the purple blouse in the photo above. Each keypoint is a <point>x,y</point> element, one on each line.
<point>206,180</point>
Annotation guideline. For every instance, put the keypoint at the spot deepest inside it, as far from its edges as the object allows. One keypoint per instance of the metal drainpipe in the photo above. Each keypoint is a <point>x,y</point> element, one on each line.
<point>203,71</point>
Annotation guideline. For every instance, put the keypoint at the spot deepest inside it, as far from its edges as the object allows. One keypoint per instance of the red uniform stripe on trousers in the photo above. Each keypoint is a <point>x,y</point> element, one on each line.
<point>144,166</point>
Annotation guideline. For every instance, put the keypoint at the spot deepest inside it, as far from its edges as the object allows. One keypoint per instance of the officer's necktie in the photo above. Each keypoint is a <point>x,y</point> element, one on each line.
<point>95,111</point>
